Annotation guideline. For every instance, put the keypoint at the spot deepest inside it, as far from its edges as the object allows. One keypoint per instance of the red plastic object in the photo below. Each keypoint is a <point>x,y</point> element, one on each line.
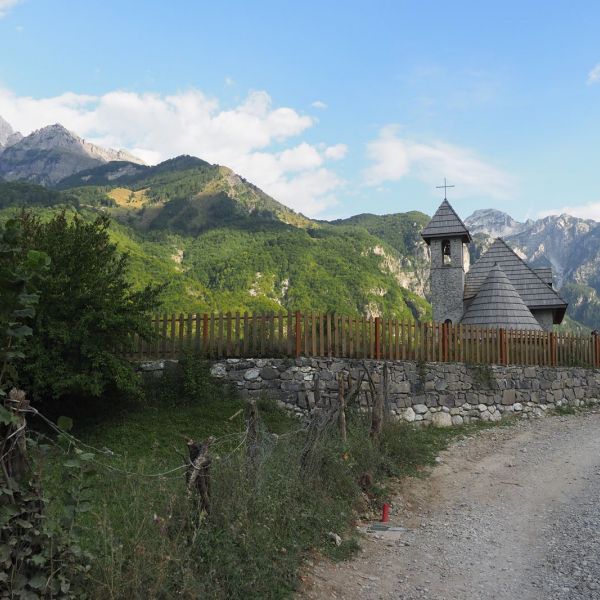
<point>385,515</point>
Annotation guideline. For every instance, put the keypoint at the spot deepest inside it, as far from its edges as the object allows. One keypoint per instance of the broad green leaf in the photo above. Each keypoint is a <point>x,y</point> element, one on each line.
<point>65,423</point>
<point>6,417</point>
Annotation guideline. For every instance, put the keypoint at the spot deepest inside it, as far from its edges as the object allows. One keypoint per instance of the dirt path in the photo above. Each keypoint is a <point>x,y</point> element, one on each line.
<point>511,513</point>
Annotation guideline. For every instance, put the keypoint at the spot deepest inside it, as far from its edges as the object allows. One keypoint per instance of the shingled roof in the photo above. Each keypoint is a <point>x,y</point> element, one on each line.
<point>445,223</point>
<point>534,291</point>
<point>498,304</point>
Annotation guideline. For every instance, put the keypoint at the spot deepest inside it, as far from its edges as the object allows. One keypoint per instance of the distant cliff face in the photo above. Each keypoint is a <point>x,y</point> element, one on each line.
<point>571,246</point>
<point>8,137</point>
<point>50,154</point>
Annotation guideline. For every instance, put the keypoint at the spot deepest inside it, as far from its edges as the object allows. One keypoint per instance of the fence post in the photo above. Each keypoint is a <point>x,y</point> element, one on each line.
<point>205,333</point>
<point>503,352</point>
<point>553,353</point>
<point>445,342</point>
<point>377,339</point>
<point>298,334</point>
<point>596,346</point>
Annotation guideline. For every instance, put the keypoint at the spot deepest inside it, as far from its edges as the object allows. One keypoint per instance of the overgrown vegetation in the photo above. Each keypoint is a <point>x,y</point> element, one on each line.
<point>39,556</point>
<point>264,520</point>
<point>86,314</point>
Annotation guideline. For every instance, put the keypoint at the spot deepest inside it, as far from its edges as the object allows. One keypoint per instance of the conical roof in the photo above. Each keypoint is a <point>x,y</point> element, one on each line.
<point>536,293</point>
<point>445,223</point>
<point>498,304</point>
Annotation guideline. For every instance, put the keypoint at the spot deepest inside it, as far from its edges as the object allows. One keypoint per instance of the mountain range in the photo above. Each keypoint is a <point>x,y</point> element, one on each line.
<point>225,245</point>
<point>570,245</point>
<point>48,155</point>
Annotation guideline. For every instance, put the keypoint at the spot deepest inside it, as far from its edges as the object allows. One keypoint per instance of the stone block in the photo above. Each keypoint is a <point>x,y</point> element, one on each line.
<point>269,372</point>
<point>509,397</point>
<point>420,409</point>
<point>251,374</point>
<point>402,387</point>
<point>302,400</point>
<point>442,419</point>
<point>409,415</point>
<point>218,370</point>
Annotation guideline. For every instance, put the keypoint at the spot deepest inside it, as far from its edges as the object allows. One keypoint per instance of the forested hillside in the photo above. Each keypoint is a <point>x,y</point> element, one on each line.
<point>224,245</point>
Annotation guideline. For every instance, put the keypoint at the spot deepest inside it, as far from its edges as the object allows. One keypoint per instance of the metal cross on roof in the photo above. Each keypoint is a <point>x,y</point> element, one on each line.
<point>445,186</point>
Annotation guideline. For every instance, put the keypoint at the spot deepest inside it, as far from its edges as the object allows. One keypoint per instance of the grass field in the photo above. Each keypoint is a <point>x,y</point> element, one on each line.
<point>148,540</point>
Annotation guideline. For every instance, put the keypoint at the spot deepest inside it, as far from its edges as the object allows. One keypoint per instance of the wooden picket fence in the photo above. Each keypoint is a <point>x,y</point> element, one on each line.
<point>293,335</point>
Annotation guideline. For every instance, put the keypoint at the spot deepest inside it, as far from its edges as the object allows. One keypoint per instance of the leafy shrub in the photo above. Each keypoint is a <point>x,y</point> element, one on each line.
<point>19,276</point>
<point>87,314</point>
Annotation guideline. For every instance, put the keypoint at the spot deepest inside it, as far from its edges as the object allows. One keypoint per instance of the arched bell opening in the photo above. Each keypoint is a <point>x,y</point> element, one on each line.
<point>446,252</point>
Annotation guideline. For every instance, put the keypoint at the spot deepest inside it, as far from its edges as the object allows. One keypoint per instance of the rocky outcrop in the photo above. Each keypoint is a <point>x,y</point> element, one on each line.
<point>494,223</point>
<point>8,137</point>
<point>50,154</point>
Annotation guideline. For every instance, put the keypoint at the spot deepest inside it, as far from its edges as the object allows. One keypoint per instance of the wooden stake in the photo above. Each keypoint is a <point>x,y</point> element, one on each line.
<point>198,473</point>
<point>341,408</point>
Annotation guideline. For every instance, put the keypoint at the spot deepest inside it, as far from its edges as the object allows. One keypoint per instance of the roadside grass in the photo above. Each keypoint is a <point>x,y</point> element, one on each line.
<point>567,409</point>
<point>147,537</point>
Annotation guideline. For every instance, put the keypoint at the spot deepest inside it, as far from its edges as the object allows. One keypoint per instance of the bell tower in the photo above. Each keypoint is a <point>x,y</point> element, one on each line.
<point>448,239</point>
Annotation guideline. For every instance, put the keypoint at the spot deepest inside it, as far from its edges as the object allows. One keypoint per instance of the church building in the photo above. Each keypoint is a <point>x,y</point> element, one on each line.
<point>498,290</point>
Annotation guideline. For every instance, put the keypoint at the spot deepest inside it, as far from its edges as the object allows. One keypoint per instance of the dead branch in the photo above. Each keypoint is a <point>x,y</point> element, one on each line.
<point>198,473</point>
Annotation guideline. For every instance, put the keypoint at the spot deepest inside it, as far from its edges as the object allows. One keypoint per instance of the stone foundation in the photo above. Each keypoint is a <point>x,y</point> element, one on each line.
<point>441,393</point>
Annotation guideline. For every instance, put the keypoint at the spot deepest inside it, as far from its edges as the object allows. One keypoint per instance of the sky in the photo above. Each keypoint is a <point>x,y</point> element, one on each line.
<point>334,108</point>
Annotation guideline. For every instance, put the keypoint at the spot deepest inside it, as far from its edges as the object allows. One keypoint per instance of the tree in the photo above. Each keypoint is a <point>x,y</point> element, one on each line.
<point>18,274</point>
<point>87,314</point>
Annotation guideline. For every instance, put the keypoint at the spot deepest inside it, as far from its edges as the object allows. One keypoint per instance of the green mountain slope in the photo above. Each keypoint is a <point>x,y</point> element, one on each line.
<point>224,245</point>
<point>399,230</point>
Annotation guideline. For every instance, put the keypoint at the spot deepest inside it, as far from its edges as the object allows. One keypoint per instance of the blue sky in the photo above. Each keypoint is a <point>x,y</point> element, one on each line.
<point>334,108</point>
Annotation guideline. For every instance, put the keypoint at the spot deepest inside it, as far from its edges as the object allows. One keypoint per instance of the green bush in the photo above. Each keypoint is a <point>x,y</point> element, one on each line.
<point>86,316</point>
<point>20,273</point>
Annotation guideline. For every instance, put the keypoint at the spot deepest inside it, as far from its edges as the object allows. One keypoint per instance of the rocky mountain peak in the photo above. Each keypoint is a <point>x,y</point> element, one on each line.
<point>493,222</point>
<point>5,131</point>
<point>8,136</point>
<point>51,137</point>
<point>50,154</point>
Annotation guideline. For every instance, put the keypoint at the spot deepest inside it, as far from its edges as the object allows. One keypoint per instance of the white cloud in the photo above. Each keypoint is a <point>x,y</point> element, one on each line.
<point>583,211</point>
<point>336,152</point>
<point>6,5</point>
<point>156,127</point>
<point>594,75</point>
<point>229,81</point>
<point>394,157</point>
<point>319,104</point>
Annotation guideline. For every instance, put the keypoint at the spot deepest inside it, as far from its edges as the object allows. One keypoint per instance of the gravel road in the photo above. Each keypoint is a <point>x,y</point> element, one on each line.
<point>511,513</point>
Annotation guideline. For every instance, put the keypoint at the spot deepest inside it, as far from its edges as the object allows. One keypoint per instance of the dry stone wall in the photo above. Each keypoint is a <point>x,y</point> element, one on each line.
<point>442,393</point>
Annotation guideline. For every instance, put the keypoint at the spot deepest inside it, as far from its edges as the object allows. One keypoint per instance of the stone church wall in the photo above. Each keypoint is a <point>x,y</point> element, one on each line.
<point>544,318</point>
<point>442,393</point>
